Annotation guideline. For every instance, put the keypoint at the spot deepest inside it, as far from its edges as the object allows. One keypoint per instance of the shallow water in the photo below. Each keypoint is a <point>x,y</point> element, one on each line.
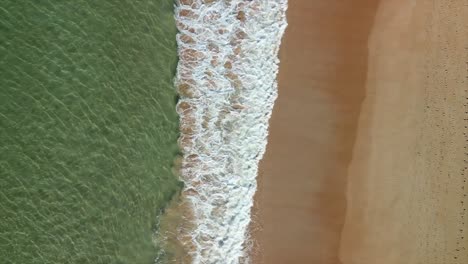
<point>88,129</point>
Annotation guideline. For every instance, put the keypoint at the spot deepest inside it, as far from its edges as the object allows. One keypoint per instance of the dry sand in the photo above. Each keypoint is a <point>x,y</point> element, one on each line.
<point>407,190</point>
<point>377,185</point>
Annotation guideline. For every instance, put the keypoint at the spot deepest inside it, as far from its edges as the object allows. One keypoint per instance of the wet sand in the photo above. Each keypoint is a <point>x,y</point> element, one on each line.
<point>300,203</point>
<point>366,161</point>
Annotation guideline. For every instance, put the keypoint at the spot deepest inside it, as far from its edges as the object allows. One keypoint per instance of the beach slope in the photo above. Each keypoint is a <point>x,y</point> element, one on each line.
<point>367,159</point>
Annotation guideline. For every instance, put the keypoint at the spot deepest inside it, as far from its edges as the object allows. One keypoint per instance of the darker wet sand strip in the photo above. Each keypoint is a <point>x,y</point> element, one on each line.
<point>300,205</point>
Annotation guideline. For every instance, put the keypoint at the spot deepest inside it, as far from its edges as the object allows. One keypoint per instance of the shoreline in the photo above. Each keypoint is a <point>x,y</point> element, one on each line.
<point>300,204</point>
<point>226,79</point>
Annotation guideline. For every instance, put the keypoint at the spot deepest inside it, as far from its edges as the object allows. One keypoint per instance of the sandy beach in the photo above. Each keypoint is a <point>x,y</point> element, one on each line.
<point>366,161</point>
<point>407,190</point>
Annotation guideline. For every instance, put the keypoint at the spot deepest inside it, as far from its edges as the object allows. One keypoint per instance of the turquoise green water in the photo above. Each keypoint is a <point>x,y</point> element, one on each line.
<point>87,129</point>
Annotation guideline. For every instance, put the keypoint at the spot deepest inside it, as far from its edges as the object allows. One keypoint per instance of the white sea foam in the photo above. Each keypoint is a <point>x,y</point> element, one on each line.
<point>226,78</point>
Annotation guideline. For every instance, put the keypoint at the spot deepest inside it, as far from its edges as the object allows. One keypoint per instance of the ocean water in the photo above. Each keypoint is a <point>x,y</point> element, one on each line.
<point>88,129</point>
<point>226,79</point>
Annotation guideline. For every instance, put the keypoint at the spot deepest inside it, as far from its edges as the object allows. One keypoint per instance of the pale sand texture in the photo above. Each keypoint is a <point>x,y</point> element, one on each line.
<point>300,203</point>
<point>407,190</point>
<point>406,185</point>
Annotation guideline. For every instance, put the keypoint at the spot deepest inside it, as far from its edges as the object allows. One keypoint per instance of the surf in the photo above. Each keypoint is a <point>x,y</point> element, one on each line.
<point>226,80</point>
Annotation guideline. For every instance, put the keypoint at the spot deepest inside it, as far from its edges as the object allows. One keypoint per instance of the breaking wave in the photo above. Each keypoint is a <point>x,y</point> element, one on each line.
<point>226,79</point>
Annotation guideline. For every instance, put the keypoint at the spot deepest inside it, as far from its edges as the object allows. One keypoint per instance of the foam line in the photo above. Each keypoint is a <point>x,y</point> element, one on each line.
<point>226,79</point>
